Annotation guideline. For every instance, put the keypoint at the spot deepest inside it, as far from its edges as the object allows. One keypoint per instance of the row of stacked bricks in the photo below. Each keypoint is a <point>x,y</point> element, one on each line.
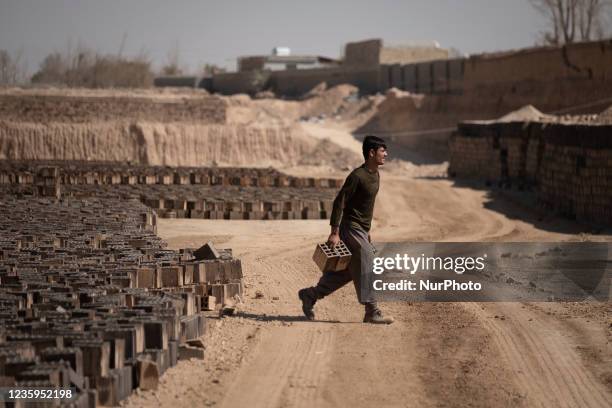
<point>250,205</point>
<point>570,164</point>
<point>101,173</point>
<point>217,202</point>
<point>312,199</point>
<point>488,151</point>
<point>42,108</point>
<point>575,174</point>
<point>90,298</point>
<point>472,154</point>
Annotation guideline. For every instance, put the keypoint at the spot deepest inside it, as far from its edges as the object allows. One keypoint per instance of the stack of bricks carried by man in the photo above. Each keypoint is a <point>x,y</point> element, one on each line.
<point>90,298</point>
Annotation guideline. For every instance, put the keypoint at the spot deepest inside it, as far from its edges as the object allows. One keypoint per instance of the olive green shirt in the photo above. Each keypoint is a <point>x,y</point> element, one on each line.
<point>354,204</point>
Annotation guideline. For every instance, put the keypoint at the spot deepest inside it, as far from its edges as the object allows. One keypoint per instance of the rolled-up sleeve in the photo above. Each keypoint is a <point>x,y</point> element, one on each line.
<point>345,194</point>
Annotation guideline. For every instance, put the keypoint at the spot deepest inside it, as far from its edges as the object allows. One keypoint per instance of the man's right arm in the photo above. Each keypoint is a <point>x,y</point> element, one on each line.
<point>344,195</point>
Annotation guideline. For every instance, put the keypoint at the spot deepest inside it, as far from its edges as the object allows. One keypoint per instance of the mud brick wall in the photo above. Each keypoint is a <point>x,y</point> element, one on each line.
<point>496,151</point>
<point>72,109</point>
<point>472,154</point>
<point>294,83</point>
<point>575,173</point>
<point>570,165</point>
<point>91,299</point>
<point>587,60</point>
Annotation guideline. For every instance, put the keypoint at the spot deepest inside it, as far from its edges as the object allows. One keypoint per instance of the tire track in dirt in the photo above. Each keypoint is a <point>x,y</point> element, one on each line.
<point>304,383</point>
<point>544,361</point>
<point>290,362</point>
<point>286,368</point>
<point>425,216</point>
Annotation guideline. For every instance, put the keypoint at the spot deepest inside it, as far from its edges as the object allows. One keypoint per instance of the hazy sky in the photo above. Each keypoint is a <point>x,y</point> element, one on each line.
<point>219,31</point>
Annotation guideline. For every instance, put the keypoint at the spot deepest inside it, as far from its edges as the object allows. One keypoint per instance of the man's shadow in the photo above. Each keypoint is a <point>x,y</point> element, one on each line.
<point>283,318</point>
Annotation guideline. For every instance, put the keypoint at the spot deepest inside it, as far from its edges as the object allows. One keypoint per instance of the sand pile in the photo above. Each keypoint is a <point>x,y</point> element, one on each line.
<point>405,168</point>
<point>527,113</point>
<point>316,91</point>
<point>340,102</point>
<point>605,117</point>
<point>330,101</point>
<point>241,109</point>
<point>397,111</point>
<point>394,93</point>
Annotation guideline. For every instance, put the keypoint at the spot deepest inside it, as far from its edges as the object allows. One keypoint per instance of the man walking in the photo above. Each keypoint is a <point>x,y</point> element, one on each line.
<point>351,219</point>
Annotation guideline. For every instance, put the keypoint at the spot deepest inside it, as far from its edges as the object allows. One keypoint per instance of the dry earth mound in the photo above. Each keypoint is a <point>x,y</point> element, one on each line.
<point>190,131</point>
<point>174,144</point>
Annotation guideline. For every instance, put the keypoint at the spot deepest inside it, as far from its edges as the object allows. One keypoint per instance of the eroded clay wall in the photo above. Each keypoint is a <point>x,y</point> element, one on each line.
<point>592,60</point>
<point>155,143</point>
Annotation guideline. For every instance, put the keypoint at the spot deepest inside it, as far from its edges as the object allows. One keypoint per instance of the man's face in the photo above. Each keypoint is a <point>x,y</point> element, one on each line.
<point>380,155</point>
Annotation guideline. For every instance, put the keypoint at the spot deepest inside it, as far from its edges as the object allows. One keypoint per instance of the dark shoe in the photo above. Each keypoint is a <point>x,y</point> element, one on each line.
<point>308,302</point>
<point>376,317</point>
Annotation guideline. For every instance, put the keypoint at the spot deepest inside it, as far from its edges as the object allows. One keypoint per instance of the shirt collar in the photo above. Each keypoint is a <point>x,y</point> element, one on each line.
<point>368,170</point>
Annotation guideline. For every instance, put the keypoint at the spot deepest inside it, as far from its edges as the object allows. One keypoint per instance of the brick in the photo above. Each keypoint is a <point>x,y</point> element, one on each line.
<point>210,303</point>
<point>188,352</point>
<point>95,357</point>
<point>189,328</point>
<point>206,252</point>
<point>171,276</point>
<point>145,278</point>
<point>147,374</point>
<point>236,269</point>
<point>156,335</point>
<point>188,272</point>
<point>73,356</point>
<point>331,260</point>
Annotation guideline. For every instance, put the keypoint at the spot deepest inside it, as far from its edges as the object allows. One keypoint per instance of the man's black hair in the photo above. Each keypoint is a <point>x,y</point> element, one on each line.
<point>372,142</point>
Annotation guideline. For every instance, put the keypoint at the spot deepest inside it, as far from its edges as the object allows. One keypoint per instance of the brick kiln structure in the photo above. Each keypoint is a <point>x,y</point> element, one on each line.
<point>570,165</point>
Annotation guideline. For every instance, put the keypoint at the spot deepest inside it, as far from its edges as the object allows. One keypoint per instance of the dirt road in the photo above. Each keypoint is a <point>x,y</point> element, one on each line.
<point>468,354</point>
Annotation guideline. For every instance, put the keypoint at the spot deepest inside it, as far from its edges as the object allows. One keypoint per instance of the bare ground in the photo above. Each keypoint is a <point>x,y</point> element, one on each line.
<point>436,354</point>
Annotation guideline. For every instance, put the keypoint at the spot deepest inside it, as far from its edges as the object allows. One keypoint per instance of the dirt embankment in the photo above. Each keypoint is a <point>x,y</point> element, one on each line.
<point>174,144</point>
<point>424,122</point>
<point>162,129</point>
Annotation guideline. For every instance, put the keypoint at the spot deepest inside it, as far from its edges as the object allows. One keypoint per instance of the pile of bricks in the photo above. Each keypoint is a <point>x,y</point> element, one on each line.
<point>86,109</point>
<point>570,165</point>
<point>91,299</point>
<point>114,173</point>
<point>218,202</point>
<point>207,193</point>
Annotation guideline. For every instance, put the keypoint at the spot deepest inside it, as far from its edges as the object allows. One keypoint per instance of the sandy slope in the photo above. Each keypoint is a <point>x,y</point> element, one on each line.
<point>455,354</point>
